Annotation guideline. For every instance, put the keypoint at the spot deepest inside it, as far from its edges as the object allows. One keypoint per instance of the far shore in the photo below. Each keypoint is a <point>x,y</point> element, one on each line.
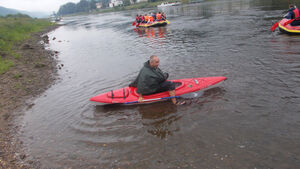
<point>136,6</point>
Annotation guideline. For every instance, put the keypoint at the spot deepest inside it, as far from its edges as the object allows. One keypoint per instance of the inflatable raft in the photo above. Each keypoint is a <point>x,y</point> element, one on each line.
<point>128,95</point>
<point>288,28</point>
<point>154,24</point>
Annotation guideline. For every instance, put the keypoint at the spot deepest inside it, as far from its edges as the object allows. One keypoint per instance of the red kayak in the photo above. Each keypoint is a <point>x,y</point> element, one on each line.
<point>128,95</point>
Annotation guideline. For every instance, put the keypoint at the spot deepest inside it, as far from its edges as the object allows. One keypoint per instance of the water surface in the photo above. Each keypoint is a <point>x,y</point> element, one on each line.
<point>252,120</point>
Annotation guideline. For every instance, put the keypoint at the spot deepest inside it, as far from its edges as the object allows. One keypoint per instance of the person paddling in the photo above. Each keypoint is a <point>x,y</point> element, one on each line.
<point>141,18</point>
<point>137,19</point>
<point>147,18</point>
<point>152,80</point>
<point>163,17</point>
<point>158,16</point>
<point>293,12</point>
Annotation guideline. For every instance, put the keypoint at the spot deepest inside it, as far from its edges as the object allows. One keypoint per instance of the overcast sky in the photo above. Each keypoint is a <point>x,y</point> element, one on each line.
<point>35,5</point>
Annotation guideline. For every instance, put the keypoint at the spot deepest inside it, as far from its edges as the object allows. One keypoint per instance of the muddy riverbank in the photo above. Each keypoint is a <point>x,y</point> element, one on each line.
<point>31,75</point>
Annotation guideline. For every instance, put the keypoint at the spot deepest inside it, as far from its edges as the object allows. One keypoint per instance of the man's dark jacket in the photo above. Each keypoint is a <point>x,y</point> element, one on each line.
<point>290,14</point>
<point>149,79</point>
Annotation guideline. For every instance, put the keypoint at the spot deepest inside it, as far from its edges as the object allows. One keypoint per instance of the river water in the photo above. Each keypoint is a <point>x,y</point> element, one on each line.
<point>252,120</point>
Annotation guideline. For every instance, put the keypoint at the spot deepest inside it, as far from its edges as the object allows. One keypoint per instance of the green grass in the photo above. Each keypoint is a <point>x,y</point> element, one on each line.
<point>13,30</point>
<point>5,65</point>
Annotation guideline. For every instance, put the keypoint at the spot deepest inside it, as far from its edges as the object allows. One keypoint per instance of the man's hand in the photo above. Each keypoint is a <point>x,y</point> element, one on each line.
<point>141,99</point>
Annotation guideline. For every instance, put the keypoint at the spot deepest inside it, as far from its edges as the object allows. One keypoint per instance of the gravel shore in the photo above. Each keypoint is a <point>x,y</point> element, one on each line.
<point>31,75</point>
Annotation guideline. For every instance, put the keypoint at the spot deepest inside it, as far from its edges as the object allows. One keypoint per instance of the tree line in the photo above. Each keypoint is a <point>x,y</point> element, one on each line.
<point>88,5</point>
<point>82,6</point>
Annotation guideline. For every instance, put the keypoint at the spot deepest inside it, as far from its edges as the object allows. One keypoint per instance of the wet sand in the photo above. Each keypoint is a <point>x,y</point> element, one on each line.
<point>31,75</point>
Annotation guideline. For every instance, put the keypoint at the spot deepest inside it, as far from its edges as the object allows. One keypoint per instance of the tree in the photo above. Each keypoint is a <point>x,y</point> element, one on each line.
<point>93,4</point>
<point>83,6</point>
<point>105,3</point>
<point>68,8</point>
<point>126,2</point>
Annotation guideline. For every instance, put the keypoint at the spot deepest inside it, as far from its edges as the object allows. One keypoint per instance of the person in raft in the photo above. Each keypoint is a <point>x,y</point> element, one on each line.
<point>137,19</point>
<point>152,80</point>
<point>293,13</point>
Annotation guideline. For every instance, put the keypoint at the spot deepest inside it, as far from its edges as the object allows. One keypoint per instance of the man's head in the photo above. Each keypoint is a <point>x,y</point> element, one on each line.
<point>292,6</point>
<point>154,61</point>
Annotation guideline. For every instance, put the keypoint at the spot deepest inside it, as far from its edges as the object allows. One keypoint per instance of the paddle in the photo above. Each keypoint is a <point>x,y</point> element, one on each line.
<point>284,24</point>
<point>162,98</point>
<point>274,26</point>
<point>290,21</point>
<point>133,23</point>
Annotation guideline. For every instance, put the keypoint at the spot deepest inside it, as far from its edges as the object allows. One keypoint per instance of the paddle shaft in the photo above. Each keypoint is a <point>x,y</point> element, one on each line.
<point>147,100</point>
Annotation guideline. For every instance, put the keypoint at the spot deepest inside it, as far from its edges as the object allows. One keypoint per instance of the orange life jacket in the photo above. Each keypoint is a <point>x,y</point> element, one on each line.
<point>146,18</point>
<point>158,16</point>
<point>151,18</point>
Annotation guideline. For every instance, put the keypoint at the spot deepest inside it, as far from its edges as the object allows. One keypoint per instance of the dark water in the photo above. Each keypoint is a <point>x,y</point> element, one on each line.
<point>252,120</point>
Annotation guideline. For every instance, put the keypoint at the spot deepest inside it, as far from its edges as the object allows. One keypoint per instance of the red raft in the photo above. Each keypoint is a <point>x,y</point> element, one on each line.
<point>288,28</point>
<point>128,95</point>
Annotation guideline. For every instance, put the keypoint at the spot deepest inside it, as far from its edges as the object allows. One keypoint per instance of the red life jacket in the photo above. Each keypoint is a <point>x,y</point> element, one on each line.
<point>296,12</point>
<point>137,18</point>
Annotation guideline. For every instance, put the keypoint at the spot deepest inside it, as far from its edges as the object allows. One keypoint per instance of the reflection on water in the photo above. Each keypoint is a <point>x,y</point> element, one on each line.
<point>156,118</point>
<point>151,32</point>
<point>250,121</point>
<point>159,119</point>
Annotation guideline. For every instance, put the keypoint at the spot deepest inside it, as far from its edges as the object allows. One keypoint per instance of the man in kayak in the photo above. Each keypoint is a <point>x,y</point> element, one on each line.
<point>152,80</point>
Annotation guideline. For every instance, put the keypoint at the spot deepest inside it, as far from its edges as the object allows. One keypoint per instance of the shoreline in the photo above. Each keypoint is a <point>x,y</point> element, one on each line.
<point>33,73</point>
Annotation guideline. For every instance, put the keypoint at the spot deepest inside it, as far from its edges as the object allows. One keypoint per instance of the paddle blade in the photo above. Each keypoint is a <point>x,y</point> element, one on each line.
<point>288,22</point>
<point>274,26</point>
<point>138,25</point>
<point>133,23</point>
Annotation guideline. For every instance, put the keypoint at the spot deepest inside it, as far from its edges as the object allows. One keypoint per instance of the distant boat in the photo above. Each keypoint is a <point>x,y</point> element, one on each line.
<point>165,4</point>
<point>55,19</point>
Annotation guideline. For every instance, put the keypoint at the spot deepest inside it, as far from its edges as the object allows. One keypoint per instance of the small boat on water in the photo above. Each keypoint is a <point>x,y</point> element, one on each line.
<point>129,95</point>
<point>288,28</point>
<point>154,24</point>
<point>165,4</point>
